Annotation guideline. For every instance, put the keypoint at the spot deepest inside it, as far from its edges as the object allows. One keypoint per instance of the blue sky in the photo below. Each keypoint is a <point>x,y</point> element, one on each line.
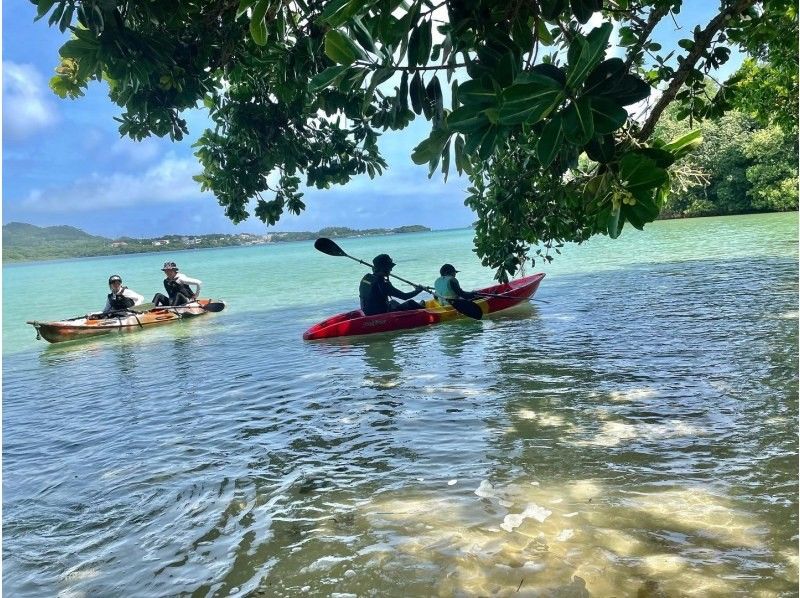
<point>65,163</point>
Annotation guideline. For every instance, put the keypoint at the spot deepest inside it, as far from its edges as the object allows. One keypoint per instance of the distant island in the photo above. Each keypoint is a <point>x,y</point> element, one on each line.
<point>26,242</point>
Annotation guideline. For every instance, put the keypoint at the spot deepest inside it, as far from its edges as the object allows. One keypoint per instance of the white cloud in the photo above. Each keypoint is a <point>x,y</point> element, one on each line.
<point>137,152</point>
<point>26,105</point>
<point>168,181</point>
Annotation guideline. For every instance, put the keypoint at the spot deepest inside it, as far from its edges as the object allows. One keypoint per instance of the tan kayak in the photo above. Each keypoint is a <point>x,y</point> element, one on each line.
<point>83,326</point>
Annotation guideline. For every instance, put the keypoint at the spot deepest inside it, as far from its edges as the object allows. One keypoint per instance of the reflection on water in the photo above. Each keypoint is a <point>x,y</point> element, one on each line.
<point>622,439</point>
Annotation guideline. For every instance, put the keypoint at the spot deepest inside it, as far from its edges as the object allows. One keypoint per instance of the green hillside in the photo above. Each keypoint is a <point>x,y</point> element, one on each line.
<point>27,242</point>
<point>20,234</point>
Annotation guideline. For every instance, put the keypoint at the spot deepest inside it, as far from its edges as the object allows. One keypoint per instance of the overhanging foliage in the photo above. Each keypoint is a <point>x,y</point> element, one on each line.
<point>516,91</point>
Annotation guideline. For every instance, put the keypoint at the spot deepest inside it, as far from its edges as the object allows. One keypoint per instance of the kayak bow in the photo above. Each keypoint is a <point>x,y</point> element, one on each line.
<point>354,322</point>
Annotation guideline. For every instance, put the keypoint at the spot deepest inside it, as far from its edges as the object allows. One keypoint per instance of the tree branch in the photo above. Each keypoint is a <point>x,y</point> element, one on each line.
<point>701,42</point>
<point>653,19</point>
<point>410,69</point>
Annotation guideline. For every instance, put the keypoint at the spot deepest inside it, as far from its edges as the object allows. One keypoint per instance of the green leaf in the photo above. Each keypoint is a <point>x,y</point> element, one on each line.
<point>661,157</point>
<point>488,142</point>
<point>243,6</point>
<point>550,141</point>
<point>584,9</point>
<point>331,8</point>
<point>477,93</point>
<point>340,49</point>
<point>431,148</point>
<point>638,172</point>
<point>614,227</point>
<point>530,102</point>
<point>326,77</point>
<point>461,160</point>
<point>414,47</point>
<point>626,90</point>
<point>551,9</point>
<point>601,149</point>
<point>683,145</point>
<point>607,115</point>
<point>446,160</point>
<point>417,93</point>
<point>363,35</point>
<point>475,139</point>
<point>338,12</point>
<point>643,211</point>
<point>605,76</point>
<point>578,121</point>
<point>548,70</point>
<point>435,99</point>
<point>467,119</point>
<point>55,17</point>
<point>585,53</point>
<point>43,7</point>
<point>522,33</point>
<point>425,43</point>
<point>258,28</point>
<point>545,38</point>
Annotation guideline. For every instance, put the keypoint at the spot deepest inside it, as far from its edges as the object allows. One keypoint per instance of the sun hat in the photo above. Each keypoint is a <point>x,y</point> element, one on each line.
<point>383,260</point>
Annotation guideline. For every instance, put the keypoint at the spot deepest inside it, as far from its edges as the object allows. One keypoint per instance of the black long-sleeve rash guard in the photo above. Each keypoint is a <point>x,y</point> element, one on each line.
<point>374,292</point>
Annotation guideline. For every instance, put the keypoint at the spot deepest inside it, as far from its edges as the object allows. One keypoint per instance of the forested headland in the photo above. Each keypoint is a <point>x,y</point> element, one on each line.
<point>26,242</point>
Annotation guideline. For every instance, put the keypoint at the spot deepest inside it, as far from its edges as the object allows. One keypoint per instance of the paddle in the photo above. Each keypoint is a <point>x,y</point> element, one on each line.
<point>468,308</point>
<point>212,306</point>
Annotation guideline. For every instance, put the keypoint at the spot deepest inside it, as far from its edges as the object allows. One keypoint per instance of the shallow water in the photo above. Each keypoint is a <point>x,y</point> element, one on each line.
<point>634,430</point>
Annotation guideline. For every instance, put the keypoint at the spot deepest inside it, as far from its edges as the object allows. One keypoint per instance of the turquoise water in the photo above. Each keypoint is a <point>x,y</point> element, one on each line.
<point>634,428</point>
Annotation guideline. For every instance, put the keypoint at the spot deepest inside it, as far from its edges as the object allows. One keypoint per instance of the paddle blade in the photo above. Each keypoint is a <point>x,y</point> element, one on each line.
<point>214,306</point>
<point>328,247</point>
<point>468,308</point>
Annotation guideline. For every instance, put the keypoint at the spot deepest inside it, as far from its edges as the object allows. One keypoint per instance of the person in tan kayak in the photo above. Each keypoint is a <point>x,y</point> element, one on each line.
<point>119,300</point>
<point>178,287</point>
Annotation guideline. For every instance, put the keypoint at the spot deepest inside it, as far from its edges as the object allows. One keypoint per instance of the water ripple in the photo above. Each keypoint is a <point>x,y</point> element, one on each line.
<point>636,431</point>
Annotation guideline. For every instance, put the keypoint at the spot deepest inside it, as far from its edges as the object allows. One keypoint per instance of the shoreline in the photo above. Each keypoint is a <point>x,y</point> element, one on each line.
<point>14,262</point>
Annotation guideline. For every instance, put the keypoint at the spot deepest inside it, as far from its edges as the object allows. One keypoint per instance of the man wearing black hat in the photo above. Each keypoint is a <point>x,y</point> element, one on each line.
<point>447,286</point>
<point>375,290</point>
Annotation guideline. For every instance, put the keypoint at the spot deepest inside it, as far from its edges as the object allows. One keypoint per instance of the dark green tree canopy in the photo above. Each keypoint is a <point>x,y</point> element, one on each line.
<point>520,94</point>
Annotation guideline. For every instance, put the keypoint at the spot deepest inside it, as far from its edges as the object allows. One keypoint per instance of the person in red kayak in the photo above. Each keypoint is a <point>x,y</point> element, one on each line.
<point>375,290</point>
<point>178,287</point>
<point>447,287</point>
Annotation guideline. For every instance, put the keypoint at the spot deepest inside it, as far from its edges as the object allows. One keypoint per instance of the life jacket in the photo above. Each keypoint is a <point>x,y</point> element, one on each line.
<point>373,301</point>
<point>173,287</point>
<point>443,289</point>
<point>118,301</point>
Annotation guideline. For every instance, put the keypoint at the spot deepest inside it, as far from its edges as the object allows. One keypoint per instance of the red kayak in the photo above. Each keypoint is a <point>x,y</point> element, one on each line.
<point>353,323</point>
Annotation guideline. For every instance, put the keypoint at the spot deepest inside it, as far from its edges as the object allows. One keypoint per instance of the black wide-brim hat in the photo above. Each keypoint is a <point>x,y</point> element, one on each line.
<point>383,260</point>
